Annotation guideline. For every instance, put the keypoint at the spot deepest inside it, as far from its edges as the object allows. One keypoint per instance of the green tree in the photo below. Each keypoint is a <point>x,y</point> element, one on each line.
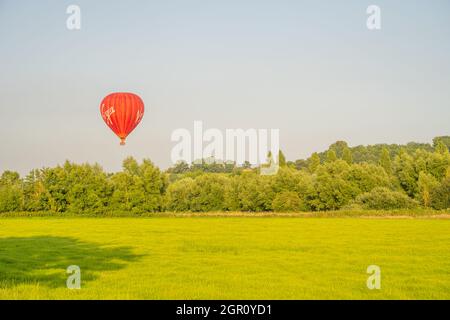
<point>331,156</point>
<point>180,167</point>
<point>139,188</point>
<point>154,183</point>
<point>286,179</point>
<point>11,194</point>
<point>56,187</point>
<point>300,164</point>
<point>347,156</point>
<point>440,195</point>
<point>331,190</point>
<point>441,148</point>
<point>444,139</point>
<point>35,196</point>
<point>405,172</point>
<point>426,184</point>
<point>179,195</point>
<point>254,192</point>
<point>434,163</point>
<point>87,188</point>
<point>9,178</point>
<point>385,199</point>
<point>287,201</point>
<point>314,162</point>
<point>281,159</point>
<point>385,161</point>
<point>339,148</point>
<point>208,192</point>
<point>246,165</point>
<point>364,177</point>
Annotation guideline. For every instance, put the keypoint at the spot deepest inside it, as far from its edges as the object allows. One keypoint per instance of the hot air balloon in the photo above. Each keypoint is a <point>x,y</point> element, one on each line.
<point>122,112</point>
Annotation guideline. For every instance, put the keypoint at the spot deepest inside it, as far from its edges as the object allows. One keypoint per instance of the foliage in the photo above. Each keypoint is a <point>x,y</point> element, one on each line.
<point>11,197</point>
<point>440,195</point>
<point>385,161</point>
<point>314,162</point>
<point>347,155</point>
<point>287,201</point>
<point>139,188</point>
<point>208,193</point>
<point>426,184</point>
<point>330,190</point>
<point>384,199</point>
<point>326,181</point>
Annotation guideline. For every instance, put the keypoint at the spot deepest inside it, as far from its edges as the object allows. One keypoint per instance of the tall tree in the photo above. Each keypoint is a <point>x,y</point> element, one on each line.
<point>11,192</point>
<point>331,156</point>
<point>385,160</point>
<point>314,162</point>
<point>426,184</point>
<point>441,148</point>
<point>339,148</point>
<point>405,172</point>
<point>443,139</point>
<point>347,156</point>
<point>281,159</point>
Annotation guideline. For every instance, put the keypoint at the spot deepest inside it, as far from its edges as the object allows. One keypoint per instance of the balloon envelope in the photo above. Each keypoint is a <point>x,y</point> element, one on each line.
<point>122,112</point>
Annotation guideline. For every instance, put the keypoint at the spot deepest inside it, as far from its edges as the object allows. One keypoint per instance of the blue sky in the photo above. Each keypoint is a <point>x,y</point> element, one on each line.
<point>309,68</point>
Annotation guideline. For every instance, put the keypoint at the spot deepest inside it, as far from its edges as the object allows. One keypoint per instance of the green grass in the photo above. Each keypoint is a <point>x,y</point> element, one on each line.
<point>224,258</point>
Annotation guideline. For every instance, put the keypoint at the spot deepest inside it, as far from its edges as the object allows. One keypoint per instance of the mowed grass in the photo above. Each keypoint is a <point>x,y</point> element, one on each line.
<point>224,258</point>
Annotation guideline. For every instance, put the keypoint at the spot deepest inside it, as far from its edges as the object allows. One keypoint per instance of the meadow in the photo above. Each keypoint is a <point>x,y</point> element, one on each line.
<point>180,257</point>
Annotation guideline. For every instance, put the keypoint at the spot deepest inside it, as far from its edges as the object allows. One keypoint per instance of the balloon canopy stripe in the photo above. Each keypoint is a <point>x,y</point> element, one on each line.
<point>122,112</point>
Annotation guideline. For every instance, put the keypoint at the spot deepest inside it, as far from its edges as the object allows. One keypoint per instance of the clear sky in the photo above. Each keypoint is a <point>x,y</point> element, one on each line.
<point>309,68</point>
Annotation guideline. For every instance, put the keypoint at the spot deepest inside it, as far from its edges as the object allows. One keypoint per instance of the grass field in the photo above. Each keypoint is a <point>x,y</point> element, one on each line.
<point>224,258</point>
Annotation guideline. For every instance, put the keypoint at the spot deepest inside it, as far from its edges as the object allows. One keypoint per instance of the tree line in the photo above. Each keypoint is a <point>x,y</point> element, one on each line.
<point>382,177</point>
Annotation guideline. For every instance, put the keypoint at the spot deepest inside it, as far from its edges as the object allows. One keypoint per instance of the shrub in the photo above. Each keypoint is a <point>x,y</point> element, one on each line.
<point>384,199</point>
<point>11,198</point>
<point>209,192</point>
<point>330,191</point>
<point>287,201</point>
<point>205,192</point>
<point>366,177</point>
<point>179,195</point>
<point>440,195</point>
<point>138,188</point>
<point>254,192</point>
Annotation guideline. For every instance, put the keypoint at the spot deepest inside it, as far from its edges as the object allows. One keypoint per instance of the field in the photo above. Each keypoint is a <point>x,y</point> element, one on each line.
<point>224,258</point>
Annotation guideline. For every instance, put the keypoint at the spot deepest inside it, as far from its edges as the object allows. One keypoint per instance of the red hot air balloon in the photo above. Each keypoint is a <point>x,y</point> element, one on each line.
<point>122,112</point>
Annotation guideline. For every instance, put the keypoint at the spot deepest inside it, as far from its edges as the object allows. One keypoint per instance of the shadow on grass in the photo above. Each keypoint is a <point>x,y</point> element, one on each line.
<point>44,260</point>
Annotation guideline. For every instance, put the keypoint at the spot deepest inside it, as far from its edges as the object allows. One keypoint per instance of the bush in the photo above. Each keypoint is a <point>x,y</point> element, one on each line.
<point>287,201</point>
<point>440,195</point>
<point>142,188</point>
<point>384,199</point>
<point>209,192</point>
<point>138,188</point>
<point>329,190</point>
<point>366,177</point>
<point>179,195</point>
<point>254,192</point>
<point>11,198</point>
<point>203,193</point>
